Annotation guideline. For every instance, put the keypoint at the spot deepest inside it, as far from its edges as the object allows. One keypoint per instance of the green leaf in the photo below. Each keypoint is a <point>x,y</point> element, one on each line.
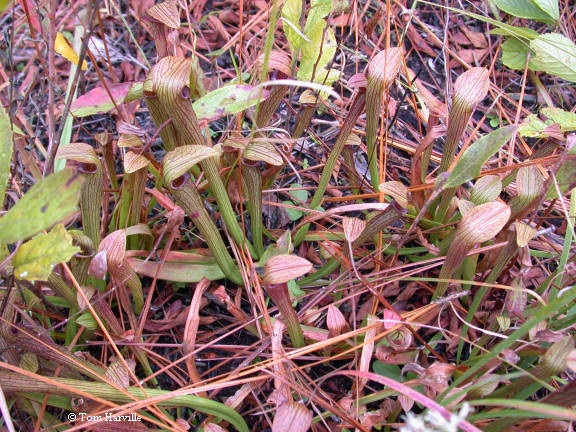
<point>5,152</point>
<point>514,53</point>
<point>515,31</point>
<point>291,12</point>
<point>299,194</point>
<point>555,54</point>
<point>319,9</point>
<point>295,291</point>
<point>35,259</point>
<point>526,9</point>
<point>532,127</point>
<point>471,162</point>
<point>87,320</point>
<point>293,214</point>
<point>566,119</point>
<point>3,4</point>
<point>310,64</point>
<point>550,7</point>
<point>227,100</point>
<point>46,203</point>
<point>388,370</point>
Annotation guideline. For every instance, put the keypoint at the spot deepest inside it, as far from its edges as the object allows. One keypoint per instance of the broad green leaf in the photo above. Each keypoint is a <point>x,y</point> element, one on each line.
<point>320,38</point>
<point>35,259</point>
<point>319,9</point>
<point>388,370</point>
<point>227,100</point>
<point>566,119</point>
<point>555,54</point>
<point>525,9</point>
<point>46,203</point>
<point>291,12</point>
<point>3,4</point>
<point>550,7</point>
<point>293,214</point>
<point>471,162</point>
<point>5,152</point>
<point>295,291</point>
<point>514,53</point>
<point>532,127</point>
<point>299,194</point>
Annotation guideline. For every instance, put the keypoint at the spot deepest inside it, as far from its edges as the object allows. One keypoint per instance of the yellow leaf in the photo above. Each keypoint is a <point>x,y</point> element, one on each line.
<point>63,48</point>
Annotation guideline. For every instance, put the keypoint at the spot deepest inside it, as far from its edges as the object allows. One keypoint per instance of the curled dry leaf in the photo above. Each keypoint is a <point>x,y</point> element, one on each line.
<point>284,268</point>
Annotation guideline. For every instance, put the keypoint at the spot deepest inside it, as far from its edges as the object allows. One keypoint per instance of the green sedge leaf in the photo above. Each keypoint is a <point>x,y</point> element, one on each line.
<point>35,259</point>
